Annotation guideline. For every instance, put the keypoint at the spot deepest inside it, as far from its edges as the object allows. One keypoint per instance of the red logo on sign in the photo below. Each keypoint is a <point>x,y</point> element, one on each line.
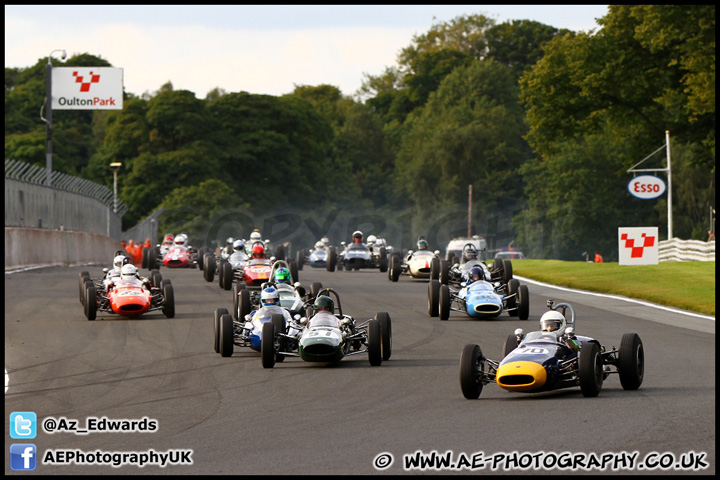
<point>637,252</point>
<point>85,85</point>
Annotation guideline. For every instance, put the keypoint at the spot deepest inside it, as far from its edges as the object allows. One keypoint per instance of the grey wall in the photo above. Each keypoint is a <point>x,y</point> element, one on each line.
<point>28,247</point>
<point>38,206</point>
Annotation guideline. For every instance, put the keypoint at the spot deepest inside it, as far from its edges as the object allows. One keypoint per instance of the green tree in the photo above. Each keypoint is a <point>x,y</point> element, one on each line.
<point>518,43</point>
<point>190,209</point>
<point>470,132</point>
<point>272,144</point>
<point>628,84</point>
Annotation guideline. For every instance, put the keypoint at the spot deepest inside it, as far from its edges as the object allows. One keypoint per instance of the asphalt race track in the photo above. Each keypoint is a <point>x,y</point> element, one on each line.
<point>301,418</point>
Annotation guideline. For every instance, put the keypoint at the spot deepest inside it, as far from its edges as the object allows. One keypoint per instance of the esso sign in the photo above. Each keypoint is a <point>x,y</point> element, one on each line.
<point>646,187</point>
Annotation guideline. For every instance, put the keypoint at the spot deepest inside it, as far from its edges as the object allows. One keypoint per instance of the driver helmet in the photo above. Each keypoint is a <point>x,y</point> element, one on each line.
<point>128,272</point>
<point>469,252</point>
<point>422,244</point>
<point>238,245</point>
<point>255,236</point>
<point>168,240</point>
<point>324,303</point>
<point>258,251</point>
<point>118,261</point>
<point>357,236</point>
<point>319,245</point>
<point>325,241</point>
<point>553,321</point>
<point>476,273</point>
<point>282,275</point>
<point>371,239</point>
<point>270,296</point>
<point>181,239</point>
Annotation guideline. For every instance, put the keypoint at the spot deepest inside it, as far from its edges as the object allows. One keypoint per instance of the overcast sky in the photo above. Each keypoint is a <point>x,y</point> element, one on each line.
<point>263,49</point>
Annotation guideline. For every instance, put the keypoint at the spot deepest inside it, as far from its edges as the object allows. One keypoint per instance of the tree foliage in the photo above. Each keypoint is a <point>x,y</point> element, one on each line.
<point>543,123</point>
<point>629,83</point>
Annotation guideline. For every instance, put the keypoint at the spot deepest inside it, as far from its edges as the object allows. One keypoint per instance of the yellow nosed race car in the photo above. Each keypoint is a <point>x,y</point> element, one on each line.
<point>553,358</point>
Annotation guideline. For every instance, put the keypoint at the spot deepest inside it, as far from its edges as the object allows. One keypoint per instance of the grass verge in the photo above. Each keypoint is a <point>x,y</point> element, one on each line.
<point>685,285</point>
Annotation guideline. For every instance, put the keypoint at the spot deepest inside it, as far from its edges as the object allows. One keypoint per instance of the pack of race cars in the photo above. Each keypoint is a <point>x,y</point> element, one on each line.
<point>275,316</point>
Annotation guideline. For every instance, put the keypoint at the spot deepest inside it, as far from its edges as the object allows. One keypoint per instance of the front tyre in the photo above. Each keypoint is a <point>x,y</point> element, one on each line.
<point>444,301</point>
<point>226,335</point>
<point>434,298</point>
<point>169,295</point>
<point>590,370</point>
<point>90,302</point>
<point>523,300</point>
<point>631,361</point>
<point>374,341</point>
<point>219,312</point>
<point>470,368</point>
<point>280,327</point>
<point>267,345</point>
<point>385,334</point>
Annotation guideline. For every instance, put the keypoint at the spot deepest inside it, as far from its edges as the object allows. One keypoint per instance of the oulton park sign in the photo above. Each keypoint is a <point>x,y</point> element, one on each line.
<point>87,88</point>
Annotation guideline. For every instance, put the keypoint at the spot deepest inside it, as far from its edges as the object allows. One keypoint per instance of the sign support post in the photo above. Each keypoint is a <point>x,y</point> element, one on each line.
<point>669,174</point>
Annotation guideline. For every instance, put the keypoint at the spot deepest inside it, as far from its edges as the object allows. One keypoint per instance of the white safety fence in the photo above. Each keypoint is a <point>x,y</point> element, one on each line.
<point>676,250</point>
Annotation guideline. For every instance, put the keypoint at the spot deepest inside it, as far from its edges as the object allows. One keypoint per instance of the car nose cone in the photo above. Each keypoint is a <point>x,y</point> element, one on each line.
<point>521,376</point>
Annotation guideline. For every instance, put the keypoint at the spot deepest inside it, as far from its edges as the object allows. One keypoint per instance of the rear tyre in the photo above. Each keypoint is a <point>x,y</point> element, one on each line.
<point>209,268</point>
<point>395,269</point>
<point>221,272</point>
<point>631,365</point>
<point>511,344</point>
<point>512,287</point>
<point>507,270</point>
<point>435,269</point>
<point>315,289</point>
<point>201,258</point>
<point>294,271</point>
<point>244,305</point>
<point>498,270</point>
<point>152,260</point>
<point>332,260</point>
<point>444,276</point>
<point>590,370</point>
<point>227,276</point>
<point>470,364</point>
<point>81,285</point>
<point>280,252</point>
<point>236,301</point>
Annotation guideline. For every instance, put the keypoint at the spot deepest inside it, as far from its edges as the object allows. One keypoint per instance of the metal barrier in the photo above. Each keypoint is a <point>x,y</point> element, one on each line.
<point>148,228</point>
<point>72,203</point>
<point>676,250</point>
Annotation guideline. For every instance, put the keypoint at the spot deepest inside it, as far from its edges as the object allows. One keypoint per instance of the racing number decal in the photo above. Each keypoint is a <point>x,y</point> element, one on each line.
<point>532,351</point>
